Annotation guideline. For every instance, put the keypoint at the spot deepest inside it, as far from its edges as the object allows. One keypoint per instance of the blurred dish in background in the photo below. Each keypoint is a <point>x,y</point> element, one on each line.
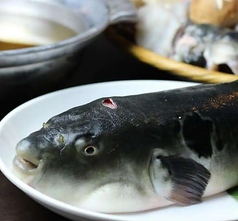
<point>203,70</point>
<point>41,42</point>
<point>197,32</point>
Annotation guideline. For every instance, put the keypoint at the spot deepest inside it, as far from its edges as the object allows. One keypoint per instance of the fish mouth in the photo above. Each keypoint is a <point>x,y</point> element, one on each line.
<point>26,166</point>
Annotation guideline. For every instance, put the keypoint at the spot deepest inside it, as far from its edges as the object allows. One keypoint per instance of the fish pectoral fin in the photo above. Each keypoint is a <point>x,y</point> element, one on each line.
<point>183,180</point>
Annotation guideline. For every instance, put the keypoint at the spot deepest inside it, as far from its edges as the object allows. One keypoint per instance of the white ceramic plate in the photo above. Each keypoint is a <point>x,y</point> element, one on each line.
<point>30,116</point>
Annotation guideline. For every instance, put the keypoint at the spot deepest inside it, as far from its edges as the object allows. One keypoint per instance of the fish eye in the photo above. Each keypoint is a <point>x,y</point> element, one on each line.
<point>90,151</point>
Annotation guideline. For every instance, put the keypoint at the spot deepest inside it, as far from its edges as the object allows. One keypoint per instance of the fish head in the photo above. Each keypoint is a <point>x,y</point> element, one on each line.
<point>88,156</point>
<point>107,156</point>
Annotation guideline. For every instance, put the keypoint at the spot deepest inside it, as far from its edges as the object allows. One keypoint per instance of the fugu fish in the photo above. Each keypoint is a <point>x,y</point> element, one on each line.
<point>140,152</point>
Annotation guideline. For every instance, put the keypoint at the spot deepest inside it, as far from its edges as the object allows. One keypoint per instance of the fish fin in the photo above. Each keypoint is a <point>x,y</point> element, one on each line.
<point>187,179</point>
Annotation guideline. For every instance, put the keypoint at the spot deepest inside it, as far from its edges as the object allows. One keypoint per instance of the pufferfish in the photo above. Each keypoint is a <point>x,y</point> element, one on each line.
<point>134,153</point>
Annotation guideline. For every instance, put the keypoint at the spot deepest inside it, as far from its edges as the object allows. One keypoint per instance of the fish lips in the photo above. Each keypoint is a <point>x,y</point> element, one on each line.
<point>26,167</point>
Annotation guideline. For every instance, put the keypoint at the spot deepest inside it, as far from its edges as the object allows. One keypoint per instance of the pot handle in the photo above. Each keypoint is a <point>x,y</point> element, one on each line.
<point>121,10</point>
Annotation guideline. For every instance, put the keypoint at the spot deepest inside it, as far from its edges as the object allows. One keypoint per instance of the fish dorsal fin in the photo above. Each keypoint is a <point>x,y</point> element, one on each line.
<point>183,180</point>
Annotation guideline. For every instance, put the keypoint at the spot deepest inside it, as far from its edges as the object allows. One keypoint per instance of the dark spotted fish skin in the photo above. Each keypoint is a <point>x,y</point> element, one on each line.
<point>179,144</point>
<point>204,114</point>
